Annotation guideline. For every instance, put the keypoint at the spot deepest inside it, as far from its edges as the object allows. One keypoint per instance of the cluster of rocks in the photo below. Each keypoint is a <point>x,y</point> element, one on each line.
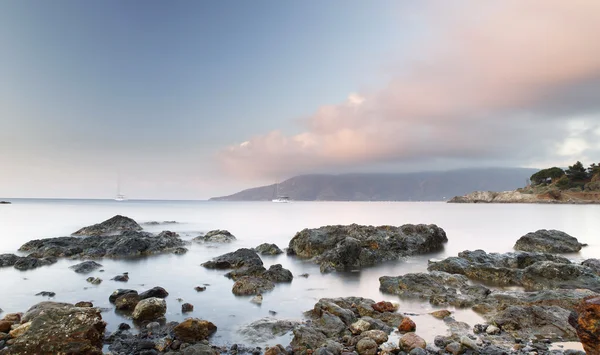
<point>248,272</point>
<point>117,237</point>
<point>338,248</point>
<point>5,203</point>
<point>146,306</point>
<point>25,262</point>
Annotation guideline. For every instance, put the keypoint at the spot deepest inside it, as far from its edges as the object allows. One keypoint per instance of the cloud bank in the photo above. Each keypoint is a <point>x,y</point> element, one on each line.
<point>512,81</point>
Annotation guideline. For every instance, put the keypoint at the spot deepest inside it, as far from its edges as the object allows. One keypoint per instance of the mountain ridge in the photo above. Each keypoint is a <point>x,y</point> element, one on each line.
<point>417,186</point>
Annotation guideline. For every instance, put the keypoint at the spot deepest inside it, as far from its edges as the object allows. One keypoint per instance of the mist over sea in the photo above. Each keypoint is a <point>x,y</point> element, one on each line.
<point>491,227</point>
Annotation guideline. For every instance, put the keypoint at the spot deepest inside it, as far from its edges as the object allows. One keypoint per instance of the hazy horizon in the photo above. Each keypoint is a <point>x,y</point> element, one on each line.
<point>189,100</point>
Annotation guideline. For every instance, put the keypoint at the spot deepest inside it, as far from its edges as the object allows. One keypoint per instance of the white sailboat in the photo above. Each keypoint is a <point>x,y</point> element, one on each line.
<point>279,198</point>
<point>120,196</point>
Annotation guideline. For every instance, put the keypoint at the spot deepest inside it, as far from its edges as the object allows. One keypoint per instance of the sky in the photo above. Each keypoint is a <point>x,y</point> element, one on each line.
<point>194,99</point>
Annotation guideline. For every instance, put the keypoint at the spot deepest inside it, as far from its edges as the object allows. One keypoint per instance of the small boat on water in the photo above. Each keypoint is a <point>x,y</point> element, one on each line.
<point>120,196</point>
<point>279,198</point>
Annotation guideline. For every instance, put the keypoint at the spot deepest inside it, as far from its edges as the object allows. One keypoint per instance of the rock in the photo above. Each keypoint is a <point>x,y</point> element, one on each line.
<point>593,264</point>
<point>61,330</point>
<point>114,225</point>
<point>193,330</point>
<point>199,349</point>
<point>28,262</point>
<point>586,321</point>
<point>5,202</point>
<point>258,299</point>
<point>46,294</point>
<point>306,339</point>
<point>441,341</point>
<point>441,314</point>
<point>8,259</point>
<point>407,325</point>
<point>379,336</point>
<point>249,285</point>
<point>85,267</point>
<point>330,325</point>
<point>549,322</point>
<point>187,307</point>
<point>497,197</point>
<point>468,343</point>
<point>121,278</point>
<point>118,293</point>
<point>5,326</point>
<point>454,348</point>
<point>305,275</point>
<point>384,306</point>
<point>410,341</point>
<point>548,241</point>
<point>216,236</point>
<point>128,301</point>
<point>366,346</point>
<point>125,245</point>
<point>124,326</point>
<point>418,351</point>
<point>268,249</point>
<point>351,247</point>
<point>19,330</point>
<point>277,273</point>
<point>276,350</point>
<point>200,288</point>
<point>265,329</point>
<point>157,292</point>
<point>84,304</point>
<point>360,326</point>
<point>480,328</point>
<point>13,317</point>
<point>240,258</point>
<point>94,280</point>
<point>252,270</point>
<point>492,330</point>
<point>43,307</point>
<point>149,309</point>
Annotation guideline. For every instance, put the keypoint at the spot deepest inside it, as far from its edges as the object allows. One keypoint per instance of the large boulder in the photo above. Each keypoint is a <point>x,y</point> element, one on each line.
<point>277,273</point>
<point>193,330</point>
<point>125,245</point>
<point>85,267</point>
<point>593,264</point>
<point>586,321</point>
<point>548,322</point>
<point>240,258</point>
<point>216,236</point>
<point>355,246</point>
<point>120,292</point>
<point>149,309</point>
<point>61,330</point>
<point>114,225</point>
<point>548,241</point>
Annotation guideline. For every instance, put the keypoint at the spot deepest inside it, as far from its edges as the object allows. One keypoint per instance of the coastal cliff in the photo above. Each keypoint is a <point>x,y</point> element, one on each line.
<point>524,196</point>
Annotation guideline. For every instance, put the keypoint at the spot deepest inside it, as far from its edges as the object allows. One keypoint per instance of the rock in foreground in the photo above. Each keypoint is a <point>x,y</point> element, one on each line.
<point>149,309</point>
<point>268,249</point>
<point>586,321</point>
<point>240,258</point>
<point>193,329</point>
<point>112,226</point>
<point>337,248</point>
<point>548,241</point>
<point>64,329</point>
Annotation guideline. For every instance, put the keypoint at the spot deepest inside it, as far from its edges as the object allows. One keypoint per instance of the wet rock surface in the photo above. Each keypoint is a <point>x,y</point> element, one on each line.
<point>129,243</point>
<point>268,249</point>
<point>586,320</point>
<point>548,241</point>
<point>85,267</point>
<point>267,328</point>
<point>53,328</point>
<point>240,258</point>
<point>25,262</point>
<point>216,236</point>
<point>533,271</point>
<point>337,248</point>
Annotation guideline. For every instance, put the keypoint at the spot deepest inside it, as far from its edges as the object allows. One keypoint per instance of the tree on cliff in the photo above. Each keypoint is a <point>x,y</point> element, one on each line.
<point>541,176</point>
<point>577,172</point>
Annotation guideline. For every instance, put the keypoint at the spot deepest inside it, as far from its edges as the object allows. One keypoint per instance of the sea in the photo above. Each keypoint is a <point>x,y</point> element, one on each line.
<point>491,227</point>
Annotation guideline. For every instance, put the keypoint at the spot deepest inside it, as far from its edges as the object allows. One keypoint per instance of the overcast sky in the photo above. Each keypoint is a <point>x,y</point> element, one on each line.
<point>193,99</point>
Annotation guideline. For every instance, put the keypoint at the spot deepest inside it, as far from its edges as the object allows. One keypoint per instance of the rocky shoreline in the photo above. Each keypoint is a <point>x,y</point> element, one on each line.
<point>555,299</point>
<point>520,197</point>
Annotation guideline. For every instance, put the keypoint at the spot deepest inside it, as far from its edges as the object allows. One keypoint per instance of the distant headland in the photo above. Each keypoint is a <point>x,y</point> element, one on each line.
<point>574,185</point>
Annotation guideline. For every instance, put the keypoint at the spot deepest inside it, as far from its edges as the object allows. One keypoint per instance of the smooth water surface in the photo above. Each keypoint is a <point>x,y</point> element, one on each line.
<point>494,228</point>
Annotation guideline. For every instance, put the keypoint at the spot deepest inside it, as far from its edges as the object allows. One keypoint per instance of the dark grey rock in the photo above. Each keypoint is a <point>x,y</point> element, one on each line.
<point>240,258</point>
<point>118,293</point>
<point>354,246</point>
<point>114,225</point>
<point>268,249</point>
<point>277,273</point>
<point>157,291</point>
<point>216,236</point>
<point>250,285</point>
<point>46,294</point>
<point>548,241</point>
<point>85,267</point>
<point>266,329</point>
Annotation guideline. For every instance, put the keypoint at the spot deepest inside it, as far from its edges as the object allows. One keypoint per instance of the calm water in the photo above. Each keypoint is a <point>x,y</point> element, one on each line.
<point>494,228</point>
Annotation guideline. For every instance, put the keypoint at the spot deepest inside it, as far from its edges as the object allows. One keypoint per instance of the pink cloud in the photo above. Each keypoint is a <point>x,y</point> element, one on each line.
<point>492,66</point>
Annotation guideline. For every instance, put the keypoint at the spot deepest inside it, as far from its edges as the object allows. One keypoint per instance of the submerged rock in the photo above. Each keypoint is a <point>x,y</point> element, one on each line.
<point>46,294</point>
<point>24,262</point>
<point>63,329</point>
<point>586,321</point>
<point>216,236</point>
<point>85,267</point>
<point>114,225</point>
<point>268,249</point>
<point>548,241</point>
<point>240,258</point>
<point>354,246</point>
<point>187,307</point>
<point>249,285</point>
<point>125,245</point>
